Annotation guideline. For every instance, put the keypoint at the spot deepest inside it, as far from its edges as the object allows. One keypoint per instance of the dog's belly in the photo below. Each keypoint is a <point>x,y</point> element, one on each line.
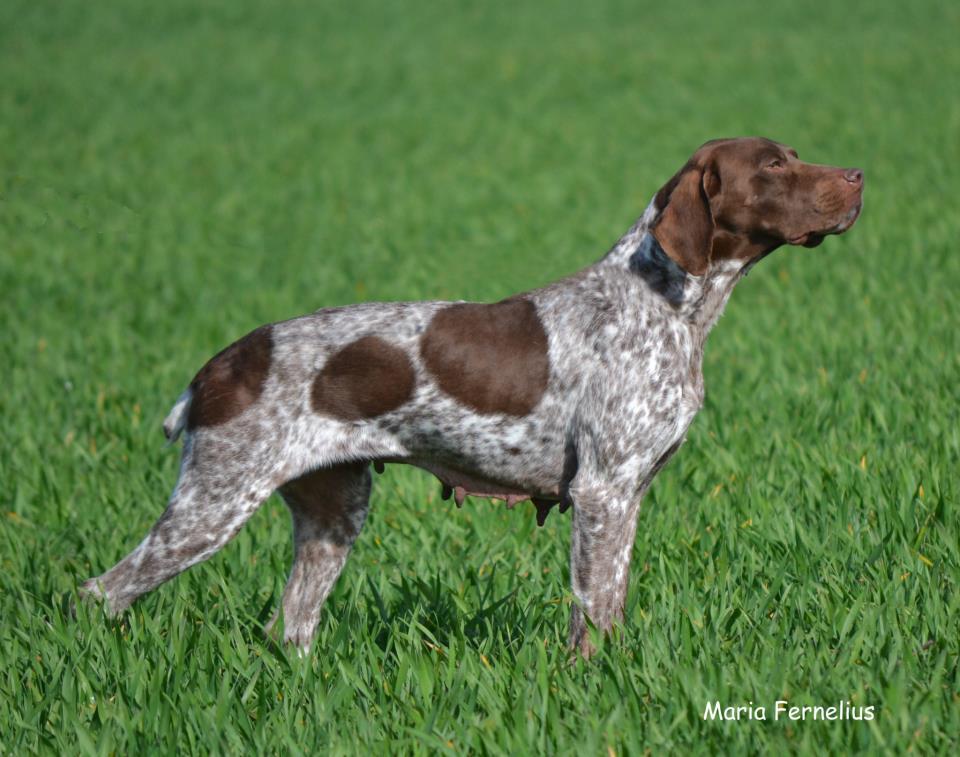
<point>510,481</point>
<point>493,457</point>
<point>475,483</point>
<point>461,484</point>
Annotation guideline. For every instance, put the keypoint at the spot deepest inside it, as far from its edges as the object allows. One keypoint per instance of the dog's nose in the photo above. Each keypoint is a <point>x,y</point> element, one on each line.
<point>854,176</point>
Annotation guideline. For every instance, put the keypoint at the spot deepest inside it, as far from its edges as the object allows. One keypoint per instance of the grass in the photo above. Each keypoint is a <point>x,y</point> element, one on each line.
<point>174,174</point>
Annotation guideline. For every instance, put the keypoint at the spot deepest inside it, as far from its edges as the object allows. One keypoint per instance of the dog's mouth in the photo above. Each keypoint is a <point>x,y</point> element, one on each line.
<point>814,238</point>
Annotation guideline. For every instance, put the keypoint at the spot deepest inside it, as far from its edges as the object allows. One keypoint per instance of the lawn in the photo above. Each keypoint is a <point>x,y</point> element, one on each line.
<point>174,174</point>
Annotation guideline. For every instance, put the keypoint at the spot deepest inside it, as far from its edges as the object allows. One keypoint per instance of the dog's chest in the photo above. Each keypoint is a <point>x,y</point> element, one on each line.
<point>646,386</point>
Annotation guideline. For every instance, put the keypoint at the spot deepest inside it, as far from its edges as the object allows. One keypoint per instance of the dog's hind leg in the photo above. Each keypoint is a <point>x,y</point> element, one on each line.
<point>328,507</point>
<point>220,486</point>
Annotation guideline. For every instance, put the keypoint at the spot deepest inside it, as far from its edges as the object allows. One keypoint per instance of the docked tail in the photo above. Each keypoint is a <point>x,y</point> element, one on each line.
<point>176,419</point>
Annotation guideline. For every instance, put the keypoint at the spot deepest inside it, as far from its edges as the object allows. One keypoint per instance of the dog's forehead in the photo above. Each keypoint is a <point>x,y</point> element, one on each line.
<point>746,148</point>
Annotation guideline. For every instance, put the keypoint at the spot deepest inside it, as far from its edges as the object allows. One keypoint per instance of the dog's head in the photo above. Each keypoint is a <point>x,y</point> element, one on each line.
<point>739,199</point>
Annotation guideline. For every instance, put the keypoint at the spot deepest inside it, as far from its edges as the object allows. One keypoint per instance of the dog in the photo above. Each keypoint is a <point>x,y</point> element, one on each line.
<point>575,394</point>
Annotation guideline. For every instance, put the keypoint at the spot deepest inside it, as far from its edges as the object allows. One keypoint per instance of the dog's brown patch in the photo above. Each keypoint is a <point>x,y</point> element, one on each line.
<point>232,380</point>
<point>492,358</point>
<point>367,378</point>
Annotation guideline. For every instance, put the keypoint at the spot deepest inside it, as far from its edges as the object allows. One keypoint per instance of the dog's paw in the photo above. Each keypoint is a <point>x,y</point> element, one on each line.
<point>300,638</point>
<point>91,591</point>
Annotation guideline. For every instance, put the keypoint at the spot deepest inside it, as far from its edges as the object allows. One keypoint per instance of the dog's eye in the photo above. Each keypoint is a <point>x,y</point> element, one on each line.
<point>774,164</point>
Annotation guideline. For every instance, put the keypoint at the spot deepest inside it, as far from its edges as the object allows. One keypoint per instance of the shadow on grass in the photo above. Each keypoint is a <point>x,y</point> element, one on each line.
<point>434,610</point>
<point>429,612</point>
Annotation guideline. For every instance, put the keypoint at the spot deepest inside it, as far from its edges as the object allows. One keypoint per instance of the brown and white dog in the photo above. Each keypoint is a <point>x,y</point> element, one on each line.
<point>577,393</point>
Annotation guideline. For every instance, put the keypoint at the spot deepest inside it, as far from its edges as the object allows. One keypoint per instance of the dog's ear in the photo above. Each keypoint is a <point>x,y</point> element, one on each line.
<point>685,225</point>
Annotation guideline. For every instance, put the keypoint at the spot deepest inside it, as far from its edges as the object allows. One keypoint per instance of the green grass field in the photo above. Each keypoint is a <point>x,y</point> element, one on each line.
<point>172,176</point>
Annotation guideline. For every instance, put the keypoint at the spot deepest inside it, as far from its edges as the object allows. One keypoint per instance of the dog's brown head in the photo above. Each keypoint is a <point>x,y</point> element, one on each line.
<point>742,198</point>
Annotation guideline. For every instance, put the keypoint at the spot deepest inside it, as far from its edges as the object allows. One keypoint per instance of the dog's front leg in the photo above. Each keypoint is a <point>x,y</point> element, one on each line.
<point>604,524</point>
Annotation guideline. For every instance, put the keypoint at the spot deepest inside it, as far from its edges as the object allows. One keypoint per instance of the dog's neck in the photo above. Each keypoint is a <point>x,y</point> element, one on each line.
<point>698,300</point>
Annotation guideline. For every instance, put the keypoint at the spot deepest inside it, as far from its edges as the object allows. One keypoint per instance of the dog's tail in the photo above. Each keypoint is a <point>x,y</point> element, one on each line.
<point>176,419</point>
